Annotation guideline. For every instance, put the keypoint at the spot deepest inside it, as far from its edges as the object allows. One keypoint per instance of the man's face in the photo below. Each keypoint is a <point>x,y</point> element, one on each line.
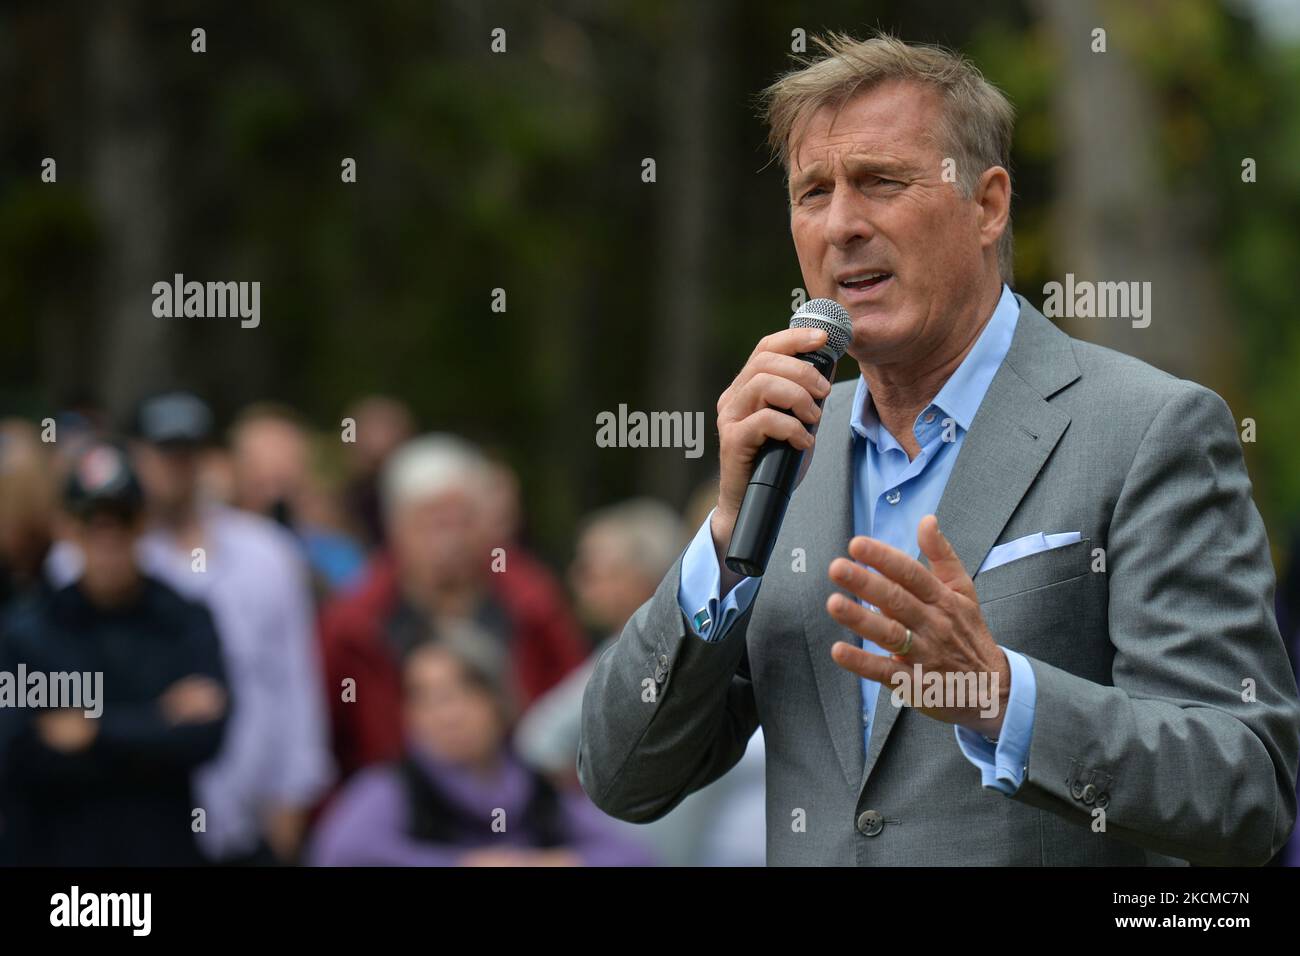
<point>607,585</point>
<point>446,713</point>
<point>169,474</point>
<point>271,464</point>
<point>438,541</point>
<point>107,542</point>
<point>868,196</point>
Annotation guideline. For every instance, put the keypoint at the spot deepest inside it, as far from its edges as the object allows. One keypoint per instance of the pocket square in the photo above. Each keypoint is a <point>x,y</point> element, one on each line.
<point>1029,544</point>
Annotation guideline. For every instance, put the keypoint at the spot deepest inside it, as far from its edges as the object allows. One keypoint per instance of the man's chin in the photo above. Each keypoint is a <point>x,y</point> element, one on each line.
<point>879,337</point>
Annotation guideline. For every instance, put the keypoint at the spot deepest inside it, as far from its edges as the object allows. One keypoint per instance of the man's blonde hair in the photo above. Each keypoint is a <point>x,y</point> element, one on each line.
<point>978,120</point>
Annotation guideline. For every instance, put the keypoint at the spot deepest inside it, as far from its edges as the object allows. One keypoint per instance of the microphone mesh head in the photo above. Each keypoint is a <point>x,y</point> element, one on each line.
<point>829,316</point>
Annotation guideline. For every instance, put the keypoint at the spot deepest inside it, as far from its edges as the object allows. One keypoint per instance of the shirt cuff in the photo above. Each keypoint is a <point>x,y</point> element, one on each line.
<point>710,616</point>
<point>1002,763</point>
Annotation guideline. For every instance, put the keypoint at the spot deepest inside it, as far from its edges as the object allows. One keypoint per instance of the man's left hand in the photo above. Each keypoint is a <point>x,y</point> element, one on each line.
<point>940,607</point>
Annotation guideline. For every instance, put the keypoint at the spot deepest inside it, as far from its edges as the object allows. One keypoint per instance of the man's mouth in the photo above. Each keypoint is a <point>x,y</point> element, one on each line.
<point>863,282</point>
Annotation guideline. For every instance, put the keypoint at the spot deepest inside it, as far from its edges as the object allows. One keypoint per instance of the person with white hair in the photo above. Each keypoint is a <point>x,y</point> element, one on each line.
<point>445,559</point>
<point>623,551</point>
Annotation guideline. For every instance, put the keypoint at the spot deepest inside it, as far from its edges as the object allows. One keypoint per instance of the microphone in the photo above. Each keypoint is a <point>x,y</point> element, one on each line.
<point>777,464</point>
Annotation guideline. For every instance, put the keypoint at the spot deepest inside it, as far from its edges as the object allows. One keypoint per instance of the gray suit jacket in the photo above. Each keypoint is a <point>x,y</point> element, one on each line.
<point>1164,692</point>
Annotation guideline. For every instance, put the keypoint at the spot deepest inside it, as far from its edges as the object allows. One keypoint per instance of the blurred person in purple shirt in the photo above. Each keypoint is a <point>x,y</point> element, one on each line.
<point>459,796</point>
<point>275,761</point>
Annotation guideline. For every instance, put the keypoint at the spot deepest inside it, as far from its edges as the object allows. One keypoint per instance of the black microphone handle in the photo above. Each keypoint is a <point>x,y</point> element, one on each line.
<point>776,468</point>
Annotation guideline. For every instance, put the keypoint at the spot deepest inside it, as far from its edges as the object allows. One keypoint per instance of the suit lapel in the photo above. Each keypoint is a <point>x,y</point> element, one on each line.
<point>1009,441</point>
<point>824,504</point>
<point>1010,438</point>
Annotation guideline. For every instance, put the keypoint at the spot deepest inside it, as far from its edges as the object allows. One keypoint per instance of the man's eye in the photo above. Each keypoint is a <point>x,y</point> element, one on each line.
<point>808,194</point>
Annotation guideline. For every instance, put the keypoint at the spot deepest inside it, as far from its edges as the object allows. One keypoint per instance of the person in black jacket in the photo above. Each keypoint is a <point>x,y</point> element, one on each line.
<point>107,781</point>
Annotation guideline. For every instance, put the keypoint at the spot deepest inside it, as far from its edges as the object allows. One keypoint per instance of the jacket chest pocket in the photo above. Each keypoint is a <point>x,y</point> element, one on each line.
<point>1045,603</point>
<point>1041,569</point>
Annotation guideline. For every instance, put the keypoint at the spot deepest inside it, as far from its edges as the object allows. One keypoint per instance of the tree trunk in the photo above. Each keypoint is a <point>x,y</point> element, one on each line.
<point>687,192</point>
<point>1114,218</point>
<point>127,164</point>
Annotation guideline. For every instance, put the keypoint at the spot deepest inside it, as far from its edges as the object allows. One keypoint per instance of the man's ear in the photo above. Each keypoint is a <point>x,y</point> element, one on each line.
<point>993,194</point>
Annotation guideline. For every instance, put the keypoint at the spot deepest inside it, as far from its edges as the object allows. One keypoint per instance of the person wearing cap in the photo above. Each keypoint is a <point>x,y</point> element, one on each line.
<point>111,785</point>
<point>275,761</point>
<point>458,795</point>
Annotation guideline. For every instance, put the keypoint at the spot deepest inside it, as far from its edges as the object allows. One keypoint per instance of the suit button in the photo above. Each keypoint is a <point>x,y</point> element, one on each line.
<point>870,822</point>
<point>1076,789</point>
<point>1103,800</point>
<point>1089,794</point>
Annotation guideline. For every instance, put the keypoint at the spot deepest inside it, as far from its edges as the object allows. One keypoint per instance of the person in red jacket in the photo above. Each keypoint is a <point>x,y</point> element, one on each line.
<point>441,565</point>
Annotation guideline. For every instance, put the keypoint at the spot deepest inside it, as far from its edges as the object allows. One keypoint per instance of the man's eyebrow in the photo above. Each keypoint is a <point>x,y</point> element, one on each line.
<point>876,164</point>
<point>806,175</point>
<point>857,163</point>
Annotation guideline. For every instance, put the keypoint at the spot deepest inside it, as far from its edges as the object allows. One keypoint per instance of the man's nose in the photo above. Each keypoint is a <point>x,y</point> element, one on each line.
<point>846,219</point>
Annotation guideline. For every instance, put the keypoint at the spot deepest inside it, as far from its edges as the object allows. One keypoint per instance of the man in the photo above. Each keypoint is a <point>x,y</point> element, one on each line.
<point>275,761</point>
<point>1064,529</point>
<point>272,475</point>
<point>382,425</point>
<point>438,568</point>
<point>27,505</point>
<point>110,788</point>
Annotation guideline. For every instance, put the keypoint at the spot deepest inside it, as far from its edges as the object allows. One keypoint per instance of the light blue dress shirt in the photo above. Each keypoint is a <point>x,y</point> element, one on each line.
<point>891,494</point>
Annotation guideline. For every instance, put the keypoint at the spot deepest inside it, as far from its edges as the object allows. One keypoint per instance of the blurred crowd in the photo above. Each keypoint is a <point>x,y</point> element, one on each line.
<point>320,649</point>
<point>316,648</point>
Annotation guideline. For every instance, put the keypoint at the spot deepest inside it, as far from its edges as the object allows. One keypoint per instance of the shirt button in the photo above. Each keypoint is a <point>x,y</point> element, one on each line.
<point>929,418</point>
<point>870,822</point>
<point>894,497</point>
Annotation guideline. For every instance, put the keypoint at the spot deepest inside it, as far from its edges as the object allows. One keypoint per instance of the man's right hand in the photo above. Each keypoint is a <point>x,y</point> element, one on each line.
<point>750,413</point>
<point>67,731</point>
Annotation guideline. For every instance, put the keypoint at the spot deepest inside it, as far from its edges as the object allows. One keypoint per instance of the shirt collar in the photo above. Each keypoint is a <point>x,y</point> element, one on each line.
<point>962,394</point>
